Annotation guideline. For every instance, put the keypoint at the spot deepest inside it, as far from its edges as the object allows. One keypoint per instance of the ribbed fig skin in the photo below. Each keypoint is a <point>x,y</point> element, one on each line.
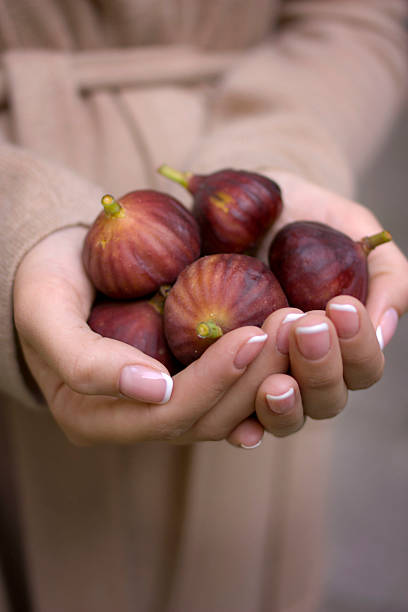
<point>314,262</point>
<point>234,209</point>
<point>136,323</point>
<point>231,290</point>
<point>131,256</point>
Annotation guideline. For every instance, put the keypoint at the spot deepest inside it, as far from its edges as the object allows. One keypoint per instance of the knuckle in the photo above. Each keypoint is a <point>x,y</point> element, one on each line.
<point>320,407</point>
<point>171,431</point>
<point>205,432</point>
<point>365,374</point>
<point>287,429</point>
<point>203,435</point>
<point>81,371</point>
<point>321,381</point>
<point>328,411</point>
<point>365,381</point>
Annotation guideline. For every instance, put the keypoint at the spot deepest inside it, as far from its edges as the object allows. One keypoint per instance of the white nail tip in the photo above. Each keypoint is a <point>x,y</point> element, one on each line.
<point>258,338</point>
<point>312,329</point>
<point>246,447</point>
<point>169,388</point>
<point>380,337</point>
<point>343,307</point>
<point>287,393</point>
<point>293,316</point>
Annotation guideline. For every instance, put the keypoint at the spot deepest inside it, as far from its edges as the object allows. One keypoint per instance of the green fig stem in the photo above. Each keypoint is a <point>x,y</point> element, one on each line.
<point>369,243</point>
<point>111,206</point>
<point>182,178</point>
<point>208,330</point>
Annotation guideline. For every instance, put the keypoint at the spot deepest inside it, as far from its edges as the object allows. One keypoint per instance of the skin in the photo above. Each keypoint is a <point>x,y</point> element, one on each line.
<point>79,372</point>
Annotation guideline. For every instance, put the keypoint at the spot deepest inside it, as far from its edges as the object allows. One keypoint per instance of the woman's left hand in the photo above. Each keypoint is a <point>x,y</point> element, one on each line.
<point>341,348</point>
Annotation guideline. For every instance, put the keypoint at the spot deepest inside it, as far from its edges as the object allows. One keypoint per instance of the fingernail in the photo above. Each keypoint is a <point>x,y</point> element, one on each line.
<point>282,337</point>
<point>247,447</point>
<point>283,403</point>
<point>345,318</point>
<point>387,327</point>
<point>145,384</point>
<point>249,350</point>
<point>313,340</point>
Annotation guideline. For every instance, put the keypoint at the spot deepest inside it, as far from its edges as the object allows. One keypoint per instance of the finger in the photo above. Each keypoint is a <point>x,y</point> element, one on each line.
<point>239,402</point>
<point>213,376</point>
<point>279,405</point>
<point>95,419</point>
<point>388,290</point>
<point>316,365</point>
<point>247,435</point>
<point>363,360</point>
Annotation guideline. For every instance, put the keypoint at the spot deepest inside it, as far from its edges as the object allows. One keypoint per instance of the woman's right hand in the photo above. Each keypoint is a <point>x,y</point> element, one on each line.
<point>100,390</point>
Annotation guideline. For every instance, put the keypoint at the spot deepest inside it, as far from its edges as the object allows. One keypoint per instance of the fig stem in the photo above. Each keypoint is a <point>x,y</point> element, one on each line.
<point>158,299</point>
<point>182,178</point>
<point>111,206</point>
<point>208,330</point>
<point>369,243</point>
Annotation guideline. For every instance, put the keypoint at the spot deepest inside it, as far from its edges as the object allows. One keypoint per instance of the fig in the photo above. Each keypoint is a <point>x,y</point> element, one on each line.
<point>138,323</point>
<point>215,294</point>
<point>234,208</point>
<point>315,262</point>
<point>139,242</point>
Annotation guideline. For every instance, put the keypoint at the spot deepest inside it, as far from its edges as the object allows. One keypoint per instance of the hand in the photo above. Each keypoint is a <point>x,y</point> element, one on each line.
<point>343,353</point>
<point>102,390</point>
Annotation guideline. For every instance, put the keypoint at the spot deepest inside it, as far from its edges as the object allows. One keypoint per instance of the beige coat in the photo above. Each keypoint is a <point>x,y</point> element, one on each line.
<point>94,95</point>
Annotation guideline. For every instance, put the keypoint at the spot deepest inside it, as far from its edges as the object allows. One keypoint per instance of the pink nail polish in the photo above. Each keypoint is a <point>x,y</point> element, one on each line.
<point>283,403</point>
<point>387,327</point>
<point>313,340</point>
<point>250,349</point>
<point>145,384</point>
<point>345,318</point>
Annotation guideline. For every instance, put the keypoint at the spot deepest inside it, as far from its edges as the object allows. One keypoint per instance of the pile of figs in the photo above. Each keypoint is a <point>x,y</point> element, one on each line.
<point>170,281</point>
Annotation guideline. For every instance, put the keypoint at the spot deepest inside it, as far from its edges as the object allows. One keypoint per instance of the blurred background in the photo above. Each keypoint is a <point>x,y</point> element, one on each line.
<point>368,530</point>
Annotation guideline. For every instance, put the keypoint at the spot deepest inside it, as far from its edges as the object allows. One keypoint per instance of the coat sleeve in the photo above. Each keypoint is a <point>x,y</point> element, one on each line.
<point>318,98</point>
<point>37,198</point>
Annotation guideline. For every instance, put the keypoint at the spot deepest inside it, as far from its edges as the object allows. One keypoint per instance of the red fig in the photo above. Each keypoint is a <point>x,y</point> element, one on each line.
<point>234,208</point>
<point>138,323</point>
<point>138,243</point>
<point>215,294</point>
<point>315,262</point>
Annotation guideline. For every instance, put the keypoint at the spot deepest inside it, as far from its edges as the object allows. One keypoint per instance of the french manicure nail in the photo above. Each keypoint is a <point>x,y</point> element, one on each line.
<point>313,340</point>
<point>387,327</point>
<point>250,349</point>
<point>283,403</point>
<point>282,337</point>
<point>250,447</point>
<point>145,384</point>
<point>345,318</point>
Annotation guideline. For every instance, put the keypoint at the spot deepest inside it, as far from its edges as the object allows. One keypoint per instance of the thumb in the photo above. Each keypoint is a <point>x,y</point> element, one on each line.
<point>93,365</point>
<point>52,299</point>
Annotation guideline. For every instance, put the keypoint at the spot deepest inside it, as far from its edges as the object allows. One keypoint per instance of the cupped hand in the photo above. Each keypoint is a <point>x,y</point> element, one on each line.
<point>102,390</point>
<point>340,349</point>
<point>388,266</point>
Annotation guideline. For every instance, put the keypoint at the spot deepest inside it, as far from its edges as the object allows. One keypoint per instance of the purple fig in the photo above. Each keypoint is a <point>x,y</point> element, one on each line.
<point>138,243</point>
<point>315,262</point>
<point>215,294</point>
<point>138,323</point>
<point>234,208</point>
